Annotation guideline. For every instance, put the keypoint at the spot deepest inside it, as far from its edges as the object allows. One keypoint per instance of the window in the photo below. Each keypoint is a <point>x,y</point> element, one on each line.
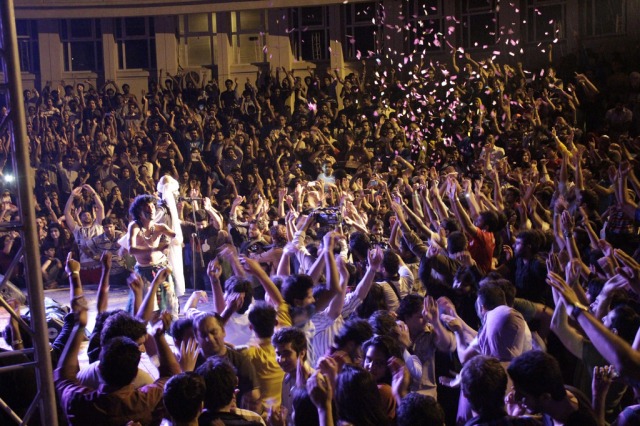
<point>248,28</point>
<point>603,17</point>
<point>545,20</point>
<point>479,20</point>
<point>425,29</point>
<point>196,39</point>
<point>28,45</point>
<point>82,44</point>
<point>363,29</point>
<point>310,33</point>
<point>135,38</point>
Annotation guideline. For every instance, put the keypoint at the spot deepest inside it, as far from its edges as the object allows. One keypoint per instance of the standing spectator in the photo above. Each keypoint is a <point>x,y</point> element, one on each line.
<point>539,388</point>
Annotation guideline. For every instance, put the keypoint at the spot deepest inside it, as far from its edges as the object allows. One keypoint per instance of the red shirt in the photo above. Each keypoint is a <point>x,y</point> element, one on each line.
<point>481,247</point>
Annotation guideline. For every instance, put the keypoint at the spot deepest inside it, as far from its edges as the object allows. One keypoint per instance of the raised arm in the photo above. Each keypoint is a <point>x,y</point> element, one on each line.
<point>333,282</point>
<point>68,216</point>
<point>103,285</point>
<point>214,270</point>
<point>146,309</point>
<point>614,349</point>
<point>68,365</point>
<point>254,268</point>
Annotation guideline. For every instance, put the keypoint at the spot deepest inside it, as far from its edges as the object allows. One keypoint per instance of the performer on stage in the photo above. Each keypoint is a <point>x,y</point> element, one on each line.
<point>147,241</point>
<point>167,213</point>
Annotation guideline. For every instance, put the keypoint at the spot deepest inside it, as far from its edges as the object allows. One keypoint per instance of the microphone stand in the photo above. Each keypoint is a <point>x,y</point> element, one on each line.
<point>195,246</point>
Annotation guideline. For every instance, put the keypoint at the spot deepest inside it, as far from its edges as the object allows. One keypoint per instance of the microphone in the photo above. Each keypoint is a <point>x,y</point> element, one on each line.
<point>189,198</point>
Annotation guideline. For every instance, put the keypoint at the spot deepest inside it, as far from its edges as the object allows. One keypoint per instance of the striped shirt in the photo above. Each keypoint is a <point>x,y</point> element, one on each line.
<point>327,328</point>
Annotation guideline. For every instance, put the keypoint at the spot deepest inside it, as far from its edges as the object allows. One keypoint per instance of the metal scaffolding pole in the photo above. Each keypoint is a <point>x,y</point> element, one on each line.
<point>26,224</point>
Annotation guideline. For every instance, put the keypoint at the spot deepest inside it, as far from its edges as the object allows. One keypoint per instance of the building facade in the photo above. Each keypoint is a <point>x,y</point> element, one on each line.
<point>74,41</point>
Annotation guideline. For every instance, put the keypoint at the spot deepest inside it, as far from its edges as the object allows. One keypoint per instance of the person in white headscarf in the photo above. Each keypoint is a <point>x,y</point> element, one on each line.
<point>168,188</point>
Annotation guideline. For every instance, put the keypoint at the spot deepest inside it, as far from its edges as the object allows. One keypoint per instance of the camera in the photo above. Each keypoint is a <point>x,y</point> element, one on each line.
<point>328,216</point>
<point>256,248</point>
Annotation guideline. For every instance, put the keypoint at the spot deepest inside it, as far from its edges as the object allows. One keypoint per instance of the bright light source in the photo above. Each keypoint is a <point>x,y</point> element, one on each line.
<point>9,178</point>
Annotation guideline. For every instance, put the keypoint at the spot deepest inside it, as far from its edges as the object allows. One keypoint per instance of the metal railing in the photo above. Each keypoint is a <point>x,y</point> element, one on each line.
<point>15,124</point>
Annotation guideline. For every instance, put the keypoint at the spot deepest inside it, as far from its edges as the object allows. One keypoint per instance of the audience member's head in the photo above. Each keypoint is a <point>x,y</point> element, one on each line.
<point>236,284</point>
<point>537,379</point>
<point>220,383</point>
<point>210,333</point>
<point>419,410</point>
<point>290,344</point>
<point>484,383</point>
<point>122,324</point>
<point>350,338</point>
<point>357,397</point>
<point>184,396</point>
<point>262,318</point>
<point>119,360</point>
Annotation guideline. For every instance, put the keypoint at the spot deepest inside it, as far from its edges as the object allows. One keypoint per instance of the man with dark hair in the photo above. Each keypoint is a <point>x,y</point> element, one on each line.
<point>147,241</point>
<point>479,230</point>
<point>504,333</point>
<point>484,384</point>
<point>527,269</point>
<point>237,323</point>
<point>210,334</point>
<point>118,324</point>
<point>262,354</point>
<point>117,402</point>
<point>396,275</point>
<point>290,345</point>
<point>88,228</point>
<point>539,388</point>
<point>384,323</point>
<point>350,338</point>
<point>427,334</point>
<point>184,398</point>
<point>119,360</point>
<point>622,321</point>
<point>107,241</point>
<point>419,410</point>
<point>220,396</point>
<point>297,292</point>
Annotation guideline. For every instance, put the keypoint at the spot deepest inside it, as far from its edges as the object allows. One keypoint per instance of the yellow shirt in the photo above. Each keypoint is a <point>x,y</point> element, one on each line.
<point>270,375</point>
<point>282,315</point>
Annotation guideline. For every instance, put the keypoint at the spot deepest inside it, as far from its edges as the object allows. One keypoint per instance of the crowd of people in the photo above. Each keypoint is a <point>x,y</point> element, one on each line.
<point>454,245</point>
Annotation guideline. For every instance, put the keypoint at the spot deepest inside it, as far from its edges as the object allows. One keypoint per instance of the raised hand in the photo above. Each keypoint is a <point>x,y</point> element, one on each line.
<point>319,390</point>
<point>375,257</point>
<point>250,265</point>
<point>430,309</point>
<point>452,322</point>
<point>567,293</point>
<point>135,283</point>
<point>214,270</point>
<point>72,265</point>
<point>400,377</point>
<point>105,259</point>
<point>188,354</point>
<point>630,269</point>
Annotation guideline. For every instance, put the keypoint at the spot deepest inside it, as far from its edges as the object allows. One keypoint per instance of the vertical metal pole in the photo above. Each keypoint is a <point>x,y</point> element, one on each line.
<point>25,180</point>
